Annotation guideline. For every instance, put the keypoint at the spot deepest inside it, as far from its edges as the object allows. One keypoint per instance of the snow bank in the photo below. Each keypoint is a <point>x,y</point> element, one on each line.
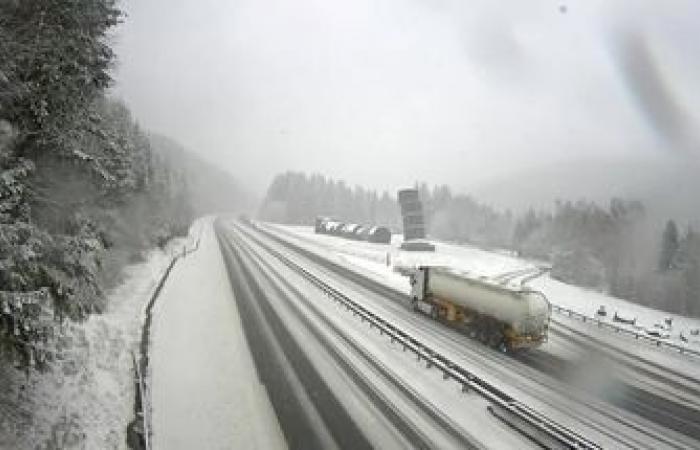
<point>86,399</point>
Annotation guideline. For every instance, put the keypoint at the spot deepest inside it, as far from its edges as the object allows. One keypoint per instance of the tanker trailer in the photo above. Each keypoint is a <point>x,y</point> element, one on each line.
<point>505,317</point>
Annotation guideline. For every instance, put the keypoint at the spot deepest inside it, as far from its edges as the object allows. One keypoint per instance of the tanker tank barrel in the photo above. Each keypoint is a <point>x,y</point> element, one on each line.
<point>505,316</point>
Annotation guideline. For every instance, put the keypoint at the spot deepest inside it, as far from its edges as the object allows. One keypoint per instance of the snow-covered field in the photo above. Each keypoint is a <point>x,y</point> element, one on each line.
<point>381,261</point>
<point>86,399</point>
<point>205,392</point>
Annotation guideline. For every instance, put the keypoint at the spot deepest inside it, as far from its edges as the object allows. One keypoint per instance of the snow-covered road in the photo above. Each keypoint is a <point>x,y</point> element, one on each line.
<point>205,391</point>
<point>248,353</point>
<point>391,399</point>
<point>487,263</point>
<point>641,391</point>
<point>371,260</point>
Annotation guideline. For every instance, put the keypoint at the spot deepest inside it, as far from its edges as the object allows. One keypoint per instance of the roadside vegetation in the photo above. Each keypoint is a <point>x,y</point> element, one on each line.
<point>84,189</point>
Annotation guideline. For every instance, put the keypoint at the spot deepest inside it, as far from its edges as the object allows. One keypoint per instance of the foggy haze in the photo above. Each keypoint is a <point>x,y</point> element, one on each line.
<point>361,224</point>
<point>386,93</point>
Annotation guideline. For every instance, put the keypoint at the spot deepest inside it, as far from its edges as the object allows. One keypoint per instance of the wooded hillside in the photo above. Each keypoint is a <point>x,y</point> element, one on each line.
<point>82,189</point>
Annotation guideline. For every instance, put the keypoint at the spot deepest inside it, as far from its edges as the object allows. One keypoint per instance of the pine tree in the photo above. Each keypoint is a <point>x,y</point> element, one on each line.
<point>669,246</point>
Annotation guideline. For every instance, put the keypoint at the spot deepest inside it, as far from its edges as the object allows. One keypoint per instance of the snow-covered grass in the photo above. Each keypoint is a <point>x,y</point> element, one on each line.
<point>86,398</point>
<point>372,258</point>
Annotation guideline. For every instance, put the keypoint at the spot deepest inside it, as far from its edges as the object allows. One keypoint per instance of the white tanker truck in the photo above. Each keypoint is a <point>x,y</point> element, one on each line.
<point>505,317</point>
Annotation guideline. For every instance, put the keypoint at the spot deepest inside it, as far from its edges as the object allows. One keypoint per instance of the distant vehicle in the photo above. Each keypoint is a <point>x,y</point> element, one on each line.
<point>320,223</point>
<point>361,233</point>
<point>338,229</point>
<point>626,320</point>
<point>601,311</point>
<point>348,230</point>
<point>694,332</point>
<point>373,233</point>
<point>503,317</point>
<point>379,235</point>
<point>328,226</point>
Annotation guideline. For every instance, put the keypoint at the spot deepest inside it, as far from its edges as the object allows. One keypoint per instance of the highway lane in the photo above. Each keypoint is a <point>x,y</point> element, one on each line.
<point>654,408</point>
<point>568,342</point>
<point>203,389</point>
<point>336,418</point>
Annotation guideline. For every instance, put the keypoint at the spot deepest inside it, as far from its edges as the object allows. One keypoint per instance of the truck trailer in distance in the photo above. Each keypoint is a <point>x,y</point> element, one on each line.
<point>370,233</point>
<point>505,317</point>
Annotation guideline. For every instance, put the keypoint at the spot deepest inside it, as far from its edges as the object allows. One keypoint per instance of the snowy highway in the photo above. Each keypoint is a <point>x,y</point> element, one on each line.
<point>204,390</point>
<point>349,225</point>
<point>334,358</point>
<point>343,394</point>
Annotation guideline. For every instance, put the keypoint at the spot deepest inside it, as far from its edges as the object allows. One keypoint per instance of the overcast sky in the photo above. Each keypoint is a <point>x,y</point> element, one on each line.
<point>385,92</point>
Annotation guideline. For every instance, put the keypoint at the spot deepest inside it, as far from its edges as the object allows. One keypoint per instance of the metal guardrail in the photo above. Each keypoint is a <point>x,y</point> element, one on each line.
<point>518,415</point>
<point>138,438</point>
<point>618,329</point>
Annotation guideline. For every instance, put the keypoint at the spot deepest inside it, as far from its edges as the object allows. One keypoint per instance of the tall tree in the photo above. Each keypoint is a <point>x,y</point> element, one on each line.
<point>55,59</point>
<point>669,246</point>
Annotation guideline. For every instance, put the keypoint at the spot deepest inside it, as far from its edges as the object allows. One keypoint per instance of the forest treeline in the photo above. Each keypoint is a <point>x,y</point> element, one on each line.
<point>296,198</point>
<point>83,190</point>
<point>616,248</point>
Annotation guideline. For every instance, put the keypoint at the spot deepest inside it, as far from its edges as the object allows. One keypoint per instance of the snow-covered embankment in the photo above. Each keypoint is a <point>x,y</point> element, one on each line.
<point>86,398</point>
